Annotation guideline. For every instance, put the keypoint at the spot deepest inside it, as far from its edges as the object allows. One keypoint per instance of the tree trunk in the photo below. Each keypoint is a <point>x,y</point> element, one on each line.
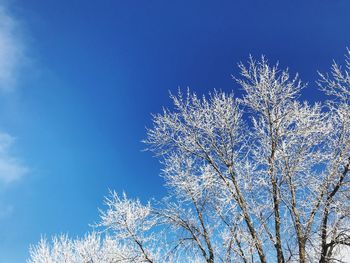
<point>302,252</point>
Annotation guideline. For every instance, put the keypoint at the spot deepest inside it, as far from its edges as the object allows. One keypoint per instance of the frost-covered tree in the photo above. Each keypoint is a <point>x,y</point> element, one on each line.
<point>263,177</point>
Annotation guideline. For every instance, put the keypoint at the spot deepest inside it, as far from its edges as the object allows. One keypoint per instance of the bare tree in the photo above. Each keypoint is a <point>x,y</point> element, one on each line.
<point>259,178</point>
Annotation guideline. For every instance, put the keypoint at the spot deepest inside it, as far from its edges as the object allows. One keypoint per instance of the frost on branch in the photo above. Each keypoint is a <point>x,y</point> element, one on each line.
<point>130,221</point>
<point>260,178</point>
<point>337,83</point>
<point>91,248</point>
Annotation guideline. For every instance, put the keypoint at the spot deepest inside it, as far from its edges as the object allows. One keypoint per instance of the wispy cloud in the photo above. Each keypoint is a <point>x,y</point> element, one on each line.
<point>11,51</point>
<point>12,59</point>
<point>11,168</point>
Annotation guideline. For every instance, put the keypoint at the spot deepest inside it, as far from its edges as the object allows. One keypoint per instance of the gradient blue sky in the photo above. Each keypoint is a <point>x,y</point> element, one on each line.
<point>79,80</point>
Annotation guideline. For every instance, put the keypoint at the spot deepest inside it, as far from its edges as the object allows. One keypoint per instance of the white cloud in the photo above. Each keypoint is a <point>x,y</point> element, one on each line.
<point>11,168</point>
<point>12,59</point>
<point>11,51</point>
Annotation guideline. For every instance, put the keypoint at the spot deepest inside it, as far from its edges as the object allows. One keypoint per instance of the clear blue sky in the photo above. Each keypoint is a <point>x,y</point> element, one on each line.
<point>79,80</point>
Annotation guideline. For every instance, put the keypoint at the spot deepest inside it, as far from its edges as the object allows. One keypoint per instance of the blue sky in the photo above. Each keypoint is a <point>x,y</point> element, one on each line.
<point>79,80</point>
